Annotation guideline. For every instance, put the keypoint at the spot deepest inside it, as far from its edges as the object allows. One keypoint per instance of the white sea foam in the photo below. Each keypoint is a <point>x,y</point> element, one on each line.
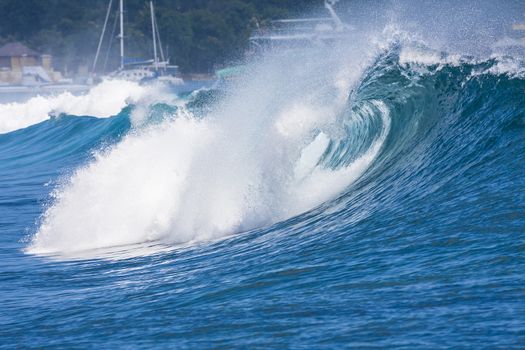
<point>253,162</point>
<point>103,100</point>
<point>507,66</point>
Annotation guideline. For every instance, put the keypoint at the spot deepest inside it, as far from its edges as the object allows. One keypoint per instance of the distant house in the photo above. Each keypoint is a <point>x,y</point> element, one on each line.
<point>22,65</point>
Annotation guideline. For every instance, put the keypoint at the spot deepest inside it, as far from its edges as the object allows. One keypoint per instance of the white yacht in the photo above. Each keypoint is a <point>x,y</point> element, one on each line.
<point>297,33</point>
<point>287,36</point>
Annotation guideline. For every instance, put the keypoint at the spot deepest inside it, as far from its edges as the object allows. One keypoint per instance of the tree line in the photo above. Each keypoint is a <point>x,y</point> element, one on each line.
<point>197,35</point>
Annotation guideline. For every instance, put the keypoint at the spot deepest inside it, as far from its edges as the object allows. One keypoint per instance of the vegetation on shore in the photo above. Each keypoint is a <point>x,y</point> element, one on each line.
<point>197,35</point>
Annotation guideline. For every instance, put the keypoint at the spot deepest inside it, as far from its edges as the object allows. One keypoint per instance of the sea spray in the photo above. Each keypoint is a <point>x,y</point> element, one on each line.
<point>191,179</point>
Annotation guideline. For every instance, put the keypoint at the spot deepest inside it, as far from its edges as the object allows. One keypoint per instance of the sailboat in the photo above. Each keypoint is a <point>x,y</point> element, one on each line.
<point>156,69</point>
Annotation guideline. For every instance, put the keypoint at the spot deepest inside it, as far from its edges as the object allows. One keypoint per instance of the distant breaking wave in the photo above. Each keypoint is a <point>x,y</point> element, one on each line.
<point>104,100</point>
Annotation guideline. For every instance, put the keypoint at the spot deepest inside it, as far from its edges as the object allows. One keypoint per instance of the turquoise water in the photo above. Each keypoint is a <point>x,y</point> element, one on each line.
<point>385,212</point>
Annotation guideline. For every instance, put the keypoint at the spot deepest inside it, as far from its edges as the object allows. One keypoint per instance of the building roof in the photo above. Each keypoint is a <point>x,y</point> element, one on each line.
<point>16,49</point>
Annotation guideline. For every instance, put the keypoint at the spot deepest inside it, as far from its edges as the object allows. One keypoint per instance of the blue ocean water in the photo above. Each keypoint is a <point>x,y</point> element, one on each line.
<point>398,220</point>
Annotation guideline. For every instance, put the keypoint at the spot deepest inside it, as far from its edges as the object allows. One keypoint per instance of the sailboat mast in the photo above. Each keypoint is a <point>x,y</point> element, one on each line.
<point>328,4</point>
<point>121,13</point>
<point>101,37</point>
<point>153,31</point>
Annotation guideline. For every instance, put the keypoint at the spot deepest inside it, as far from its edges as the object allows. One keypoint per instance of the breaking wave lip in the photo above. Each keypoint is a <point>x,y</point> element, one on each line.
<point>103,100</point>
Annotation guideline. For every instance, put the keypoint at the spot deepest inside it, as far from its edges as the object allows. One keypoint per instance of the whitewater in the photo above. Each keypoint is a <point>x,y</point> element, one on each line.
<point>369,197</point>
